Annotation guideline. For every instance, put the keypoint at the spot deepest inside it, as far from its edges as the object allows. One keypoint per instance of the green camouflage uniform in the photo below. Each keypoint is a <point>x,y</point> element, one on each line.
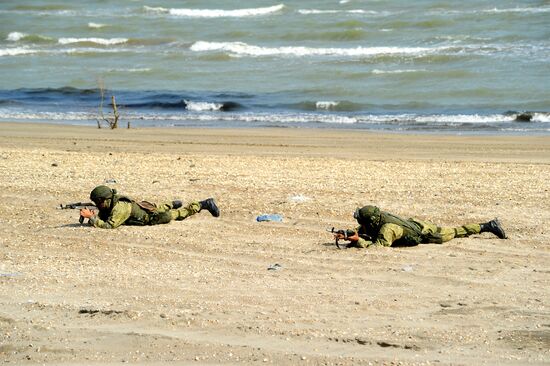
<point>386,229</point>
<point>125,211</point>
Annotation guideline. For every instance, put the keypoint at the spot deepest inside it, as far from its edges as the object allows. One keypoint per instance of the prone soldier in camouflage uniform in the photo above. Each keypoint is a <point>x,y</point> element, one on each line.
<point>386,229</point>
<point>116,210</point>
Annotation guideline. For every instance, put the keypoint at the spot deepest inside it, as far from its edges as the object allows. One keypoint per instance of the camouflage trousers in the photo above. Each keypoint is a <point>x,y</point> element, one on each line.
<point>179,213</point>
<point>448,233</point>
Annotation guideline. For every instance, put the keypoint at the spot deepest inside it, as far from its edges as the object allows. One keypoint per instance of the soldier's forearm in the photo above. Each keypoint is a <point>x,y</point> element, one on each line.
<point>97,222</point>
<point>363,243</point>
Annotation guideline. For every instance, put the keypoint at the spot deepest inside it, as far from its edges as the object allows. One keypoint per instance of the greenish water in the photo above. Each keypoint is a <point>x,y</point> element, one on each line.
<point>393,65</point>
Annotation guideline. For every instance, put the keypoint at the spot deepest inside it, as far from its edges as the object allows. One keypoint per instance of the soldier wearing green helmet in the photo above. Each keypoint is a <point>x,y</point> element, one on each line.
<point>116,210</point>
<point>386,229</point>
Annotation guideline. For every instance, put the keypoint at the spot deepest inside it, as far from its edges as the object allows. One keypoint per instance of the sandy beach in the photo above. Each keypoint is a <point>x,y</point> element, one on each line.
<point>201,291</point>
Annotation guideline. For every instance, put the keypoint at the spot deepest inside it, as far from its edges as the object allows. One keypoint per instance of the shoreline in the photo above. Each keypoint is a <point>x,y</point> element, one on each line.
<point>496,130</point>
<point>339,142</point>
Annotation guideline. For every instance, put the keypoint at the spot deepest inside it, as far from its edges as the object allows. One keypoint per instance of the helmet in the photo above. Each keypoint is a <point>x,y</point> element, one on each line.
<point>101,193</point>
<point>368,215</point>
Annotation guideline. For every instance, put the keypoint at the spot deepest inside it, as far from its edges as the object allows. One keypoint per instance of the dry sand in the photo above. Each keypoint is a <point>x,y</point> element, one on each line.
<point>200,291</point>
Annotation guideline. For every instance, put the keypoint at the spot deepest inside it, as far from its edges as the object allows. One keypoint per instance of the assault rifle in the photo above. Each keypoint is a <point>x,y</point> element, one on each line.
<point>344,235</point>
<point>77,206</point>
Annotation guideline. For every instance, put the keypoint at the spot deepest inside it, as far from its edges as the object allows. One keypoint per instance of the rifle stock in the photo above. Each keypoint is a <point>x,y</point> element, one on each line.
<point>346,234</point>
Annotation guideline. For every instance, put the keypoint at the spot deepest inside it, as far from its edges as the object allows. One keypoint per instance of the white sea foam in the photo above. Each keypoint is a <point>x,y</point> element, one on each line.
<point>194,115</point>
<point>244,49</point>
<point>19,36</point>
<point>295,118</point>
<point>490,11</point>
<point>43,12</point>
<point>253,117</point>
<point>96,25</point>
<point>411,119</point>
<point>151,9</point>
<point>89,50</point>
<point>465,118</point>
<point>518,10</point>
<point>317,11</point>
<point>143,69</point>
<point>16,51</point>
<point>51,116</point>
<point>326,105</point>
<point>202,106</point>
<point>381,72</point>
<point>460,39</point>
<point>101,41</point>
<point>16,36</point>
<point>541,117</point>
<point>216,13</point>
<point>435,118</point>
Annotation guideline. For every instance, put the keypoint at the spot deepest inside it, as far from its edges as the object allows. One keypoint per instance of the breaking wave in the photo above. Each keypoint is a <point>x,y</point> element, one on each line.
<point>517,10</point>
<point>356,11</point>
<point>541,117</point>
<point>19,37</point>
<point>326,105</point>
<point>243,49</point>
<point>183,104</point>
<point>135,69</point>
<point>406,71</point>
<point>207,113</point>
<point>162,108</point>
<point>15,36</point>
<point>203,106</point>
<point>100,41</point>
<point>96,25</point>
<point>215,13</point>
<point>16,51</point>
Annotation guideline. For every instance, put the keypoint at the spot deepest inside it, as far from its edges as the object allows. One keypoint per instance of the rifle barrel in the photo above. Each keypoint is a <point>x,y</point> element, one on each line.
<point>76,205</point>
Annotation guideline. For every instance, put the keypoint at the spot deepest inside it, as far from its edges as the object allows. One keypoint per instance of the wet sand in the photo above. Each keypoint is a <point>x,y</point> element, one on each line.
<point>201,291</point>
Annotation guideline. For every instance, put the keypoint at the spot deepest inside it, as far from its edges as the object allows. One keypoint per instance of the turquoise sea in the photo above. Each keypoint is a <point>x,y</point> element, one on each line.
<point>393,65</point>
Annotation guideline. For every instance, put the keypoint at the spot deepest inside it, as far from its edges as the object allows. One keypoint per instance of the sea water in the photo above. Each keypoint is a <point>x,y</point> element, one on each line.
<point>395,65</point>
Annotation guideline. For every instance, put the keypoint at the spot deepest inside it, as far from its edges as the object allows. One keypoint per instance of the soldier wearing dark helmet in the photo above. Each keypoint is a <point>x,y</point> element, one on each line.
<point>386,229</point>
<point>116,210</point>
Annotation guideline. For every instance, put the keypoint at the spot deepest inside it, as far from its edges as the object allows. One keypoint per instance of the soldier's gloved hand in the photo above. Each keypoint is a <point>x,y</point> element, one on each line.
<point>87,213</point>
<point>354,237</point>
<point>339,236</point>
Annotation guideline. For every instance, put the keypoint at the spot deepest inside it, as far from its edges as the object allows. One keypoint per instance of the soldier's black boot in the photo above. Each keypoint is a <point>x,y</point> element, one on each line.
<point>177,204</point>
<point>493,227</point>
<point>210,205</point>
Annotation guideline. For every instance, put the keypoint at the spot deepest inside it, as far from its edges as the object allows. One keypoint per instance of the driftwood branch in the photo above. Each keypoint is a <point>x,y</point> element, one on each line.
<point>112,122</point>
